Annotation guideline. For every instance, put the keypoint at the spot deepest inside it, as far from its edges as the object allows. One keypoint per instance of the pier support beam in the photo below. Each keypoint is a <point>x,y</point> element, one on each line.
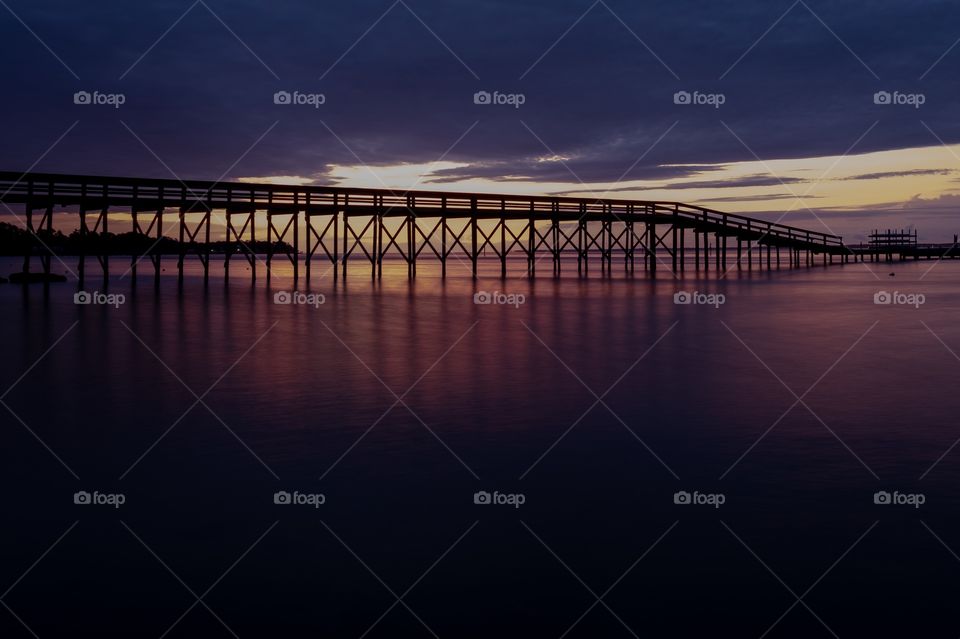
<point>443,247</point>
<point>380,250</point>
<point>531,244</point>
<point>673,237</point>
<point>503,248</point>
<point>580,244</point>
<point>473,240</point>
<point>652,246</point>
<point>346,236</point>
<point>683,255</point>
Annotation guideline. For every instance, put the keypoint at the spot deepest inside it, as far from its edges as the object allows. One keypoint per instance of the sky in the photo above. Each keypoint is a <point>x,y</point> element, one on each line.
<point>835,116</point>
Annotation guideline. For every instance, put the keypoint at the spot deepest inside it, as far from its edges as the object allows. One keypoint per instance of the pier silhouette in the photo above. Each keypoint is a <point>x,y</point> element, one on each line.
<point>343,225</point>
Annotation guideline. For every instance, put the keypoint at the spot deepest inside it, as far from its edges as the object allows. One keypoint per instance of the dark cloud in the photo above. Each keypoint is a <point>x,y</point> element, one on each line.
<point>200,98</point>
<point>757,198</point>
<point>747,181</point>
<point>889,174</point>
<point>756,180</point>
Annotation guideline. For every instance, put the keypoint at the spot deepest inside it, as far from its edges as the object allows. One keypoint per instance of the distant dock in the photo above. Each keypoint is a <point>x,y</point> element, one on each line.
<point>902,245</point>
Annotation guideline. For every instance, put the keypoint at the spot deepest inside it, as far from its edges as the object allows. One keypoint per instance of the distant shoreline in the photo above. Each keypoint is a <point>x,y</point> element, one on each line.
<point>19,242</point>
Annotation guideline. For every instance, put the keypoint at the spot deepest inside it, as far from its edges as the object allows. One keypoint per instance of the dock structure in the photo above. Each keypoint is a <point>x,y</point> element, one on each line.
<point>342,226</point>
<point>901,245</point>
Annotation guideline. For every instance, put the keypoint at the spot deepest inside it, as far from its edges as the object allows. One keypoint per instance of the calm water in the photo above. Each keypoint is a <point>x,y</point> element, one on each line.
<point>491,398</point>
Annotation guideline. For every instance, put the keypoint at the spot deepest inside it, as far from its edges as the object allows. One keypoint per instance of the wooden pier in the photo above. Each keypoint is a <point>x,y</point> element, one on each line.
<point>342,226</point>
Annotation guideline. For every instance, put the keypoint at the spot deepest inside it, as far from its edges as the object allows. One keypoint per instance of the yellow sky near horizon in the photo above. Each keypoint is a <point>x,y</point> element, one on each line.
<point>907,177</point>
